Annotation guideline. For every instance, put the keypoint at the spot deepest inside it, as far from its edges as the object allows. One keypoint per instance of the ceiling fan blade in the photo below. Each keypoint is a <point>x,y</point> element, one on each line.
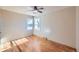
<point>39,11</point>
<point>41,8</point>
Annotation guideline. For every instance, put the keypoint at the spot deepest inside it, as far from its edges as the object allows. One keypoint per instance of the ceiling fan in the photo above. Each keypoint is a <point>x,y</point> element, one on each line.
<point>37,9</point>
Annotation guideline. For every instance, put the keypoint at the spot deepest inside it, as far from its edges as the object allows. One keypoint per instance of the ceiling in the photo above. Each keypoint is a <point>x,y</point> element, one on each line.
<point>27,9</point>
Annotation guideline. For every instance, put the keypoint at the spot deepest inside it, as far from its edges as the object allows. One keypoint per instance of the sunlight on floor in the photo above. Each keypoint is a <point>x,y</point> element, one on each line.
<point>34,45</point>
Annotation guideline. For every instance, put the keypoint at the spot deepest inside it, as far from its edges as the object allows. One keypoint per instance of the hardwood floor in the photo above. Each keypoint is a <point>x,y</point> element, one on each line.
<point>35,44</point>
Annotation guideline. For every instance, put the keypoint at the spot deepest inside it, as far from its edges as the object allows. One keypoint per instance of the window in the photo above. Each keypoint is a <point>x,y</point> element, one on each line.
<point>29,24</point>
<point>33,23</point>
<point>37,23</point>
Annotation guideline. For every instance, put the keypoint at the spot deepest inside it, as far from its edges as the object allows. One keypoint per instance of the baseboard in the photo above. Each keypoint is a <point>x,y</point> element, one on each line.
<point>57,42</point>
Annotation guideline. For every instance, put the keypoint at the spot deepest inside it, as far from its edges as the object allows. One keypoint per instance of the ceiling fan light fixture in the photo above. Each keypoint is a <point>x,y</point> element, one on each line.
<point>35,12</point>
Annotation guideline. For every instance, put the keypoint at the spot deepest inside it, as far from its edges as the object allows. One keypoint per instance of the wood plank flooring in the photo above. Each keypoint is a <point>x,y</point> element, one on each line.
<point>35,44</point>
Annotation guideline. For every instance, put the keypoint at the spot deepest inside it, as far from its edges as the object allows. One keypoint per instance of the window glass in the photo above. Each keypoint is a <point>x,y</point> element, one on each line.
<point>29,24</point>
<point>37,23</point>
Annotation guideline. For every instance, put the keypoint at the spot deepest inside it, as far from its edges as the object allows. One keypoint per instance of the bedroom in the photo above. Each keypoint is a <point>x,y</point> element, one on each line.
<point>56,24</point>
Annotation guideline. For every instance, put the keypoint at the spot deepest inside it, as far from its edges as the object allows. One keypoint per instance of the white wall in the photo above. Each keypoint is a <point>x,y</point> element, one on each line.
<point>60,25</point>
<point>0,23</point>
<point>14,25</point>
<point>77,28</point>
